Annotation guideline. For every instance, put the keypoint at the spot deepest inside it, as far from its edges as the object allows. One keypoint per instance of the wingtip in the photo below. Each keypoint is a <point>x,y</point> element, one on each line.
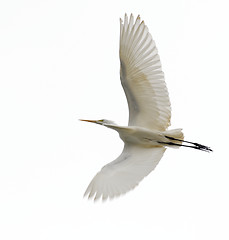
<point>85,194</point>
<point>96,199</point>
<point>131,17</point>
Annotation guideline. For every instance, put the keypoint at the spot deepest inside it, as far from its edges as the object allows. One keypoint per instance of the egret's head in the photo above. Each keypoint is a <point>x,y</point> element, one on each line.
<point>104,122</point>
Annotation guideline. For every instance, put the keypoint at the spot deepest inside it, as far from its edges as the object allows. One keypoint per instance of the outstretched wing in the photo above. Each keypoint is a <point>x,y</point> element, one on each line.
<point>142,78</point>
<point>124,173</point>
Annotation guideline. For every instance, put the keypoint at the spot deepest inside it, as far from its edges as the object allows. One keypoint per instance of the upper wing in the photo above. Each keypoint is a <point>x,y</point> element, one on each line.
<point>124,173</point>
<point>142,78</point>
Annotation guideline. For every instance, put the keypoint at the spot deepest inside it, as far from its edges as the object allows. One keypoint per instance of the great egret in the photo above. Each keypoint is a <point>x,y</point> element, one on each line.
<point>146,136</point>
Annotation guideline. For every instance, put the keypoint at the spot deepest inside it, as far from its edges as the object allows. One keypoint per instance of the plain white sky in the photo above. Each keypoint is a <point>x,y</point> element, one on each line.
<point>58,63</point>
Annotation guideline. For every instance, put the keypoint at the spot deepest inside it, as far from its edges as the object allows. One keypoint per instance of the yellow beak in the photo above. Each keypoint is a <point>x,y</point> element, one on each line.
<point>93,121</point>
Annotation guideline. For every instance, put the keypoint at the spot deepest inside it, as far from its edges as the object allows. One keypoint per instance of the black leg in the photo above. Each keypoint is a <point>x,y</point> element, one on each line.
<point>196,145</point>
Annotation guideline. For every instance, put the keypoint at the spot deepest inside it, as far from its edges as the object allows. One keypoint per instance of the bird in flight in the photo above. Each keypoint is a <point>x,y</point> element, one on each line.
<point>146,137</point>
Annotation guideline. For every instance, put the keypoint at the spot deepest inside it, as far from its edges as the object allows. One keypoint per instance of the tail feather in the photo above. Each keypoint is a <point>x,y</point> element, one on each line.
<point>177,136</point>
<point>175,133</point>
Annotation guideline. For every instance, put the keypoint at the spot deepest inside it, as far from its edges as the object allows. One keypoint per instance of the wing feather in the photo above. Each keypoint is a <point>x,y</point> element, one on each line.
<point>142,78</point>
<point>124,173</point>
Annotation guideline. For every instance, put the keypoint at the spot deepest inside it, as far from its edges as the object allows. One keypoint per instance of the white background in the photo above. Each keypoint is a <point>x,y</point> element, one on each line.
<point>58,63</point>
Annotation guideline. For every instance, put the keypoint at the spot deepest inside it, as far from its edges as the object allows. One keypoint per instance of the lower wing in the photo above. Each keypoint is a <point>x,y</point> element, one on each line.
<point>124,173</point>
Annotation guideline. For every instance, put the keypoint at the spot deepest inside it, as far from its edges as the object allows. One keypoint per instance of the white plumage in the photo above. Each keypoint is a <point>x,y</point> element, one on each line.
<point>142,78</point>
<point>146,135</point>
<point>124,173</point>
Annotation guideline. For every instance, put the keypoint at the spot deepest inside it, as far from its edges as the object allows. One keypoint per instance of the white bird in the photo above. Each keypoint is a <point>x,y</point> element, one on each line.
<point>146,136</point>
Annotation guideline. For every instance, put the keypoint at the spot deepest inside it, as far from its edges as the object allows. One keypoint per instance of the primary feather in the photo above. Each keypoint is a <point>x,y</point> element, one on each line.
<point>142,78</point>
<point>124,173</point>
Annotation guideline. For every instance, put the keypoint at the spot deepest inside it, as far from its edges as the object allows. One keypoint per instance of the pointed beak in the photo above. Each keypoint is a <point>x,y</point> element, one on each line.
<point>92,121</point>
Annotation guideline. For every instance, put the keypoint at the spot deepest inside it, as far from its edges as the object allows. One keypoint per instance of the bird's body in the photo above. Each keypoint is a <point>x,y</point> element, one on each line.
<point>146,136</point>
<point>142,136</point>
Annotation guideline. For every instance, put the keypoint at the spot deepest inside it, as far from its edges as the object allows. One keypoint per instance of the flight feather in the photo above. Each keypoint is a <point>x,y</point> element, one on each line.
<point>142,77</point>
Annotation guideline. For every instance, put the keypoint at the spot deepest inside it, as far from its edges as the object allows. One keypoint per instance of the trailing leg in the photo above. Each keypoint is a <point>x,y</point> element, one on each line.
<point>191,144</point>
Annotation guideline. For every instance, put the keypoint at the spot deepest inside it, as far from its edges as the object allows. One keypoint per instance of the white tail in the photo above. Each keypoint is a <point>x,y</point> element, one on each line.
<point>175,133</point>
